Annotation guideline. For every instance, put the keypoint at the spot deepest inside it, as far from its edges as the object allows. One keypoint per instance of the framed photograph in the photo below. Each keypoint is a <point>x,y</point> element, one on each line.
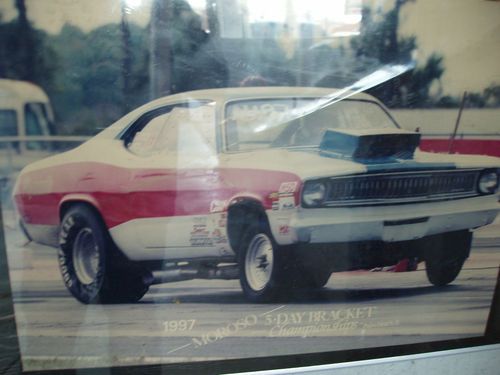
<point>232,185</point>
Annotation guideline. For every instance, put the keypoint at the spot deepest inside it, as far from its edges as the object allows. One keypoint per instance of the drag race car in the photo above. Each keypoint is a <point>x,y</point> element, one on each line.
<point>278,187</point>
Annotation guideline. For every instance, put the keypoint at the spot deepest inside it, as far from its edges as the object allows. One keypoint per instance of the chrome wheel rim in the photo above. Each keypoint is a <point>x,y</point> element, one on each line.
<point>259,262</point>
<point>86,256</point>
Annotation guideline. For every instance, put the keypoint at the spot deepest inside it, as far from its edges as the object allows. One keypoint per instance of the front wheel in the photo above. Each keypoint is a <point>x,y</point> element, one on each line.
<point>91,267</point>
<point>445,256</point>
<point>316,278</point>
<point>262,269</point>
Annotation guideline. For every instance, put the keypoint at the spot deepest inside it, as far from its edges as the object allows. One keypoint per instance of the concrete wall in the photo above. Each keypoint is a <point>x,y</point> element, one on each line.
<point>442,121</point>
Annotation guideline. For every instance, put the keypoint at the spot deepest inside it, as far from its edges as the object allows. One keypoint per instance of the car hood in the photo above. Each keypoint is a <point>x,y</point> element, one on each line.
<point>306,163</point>
<point>311,163</point>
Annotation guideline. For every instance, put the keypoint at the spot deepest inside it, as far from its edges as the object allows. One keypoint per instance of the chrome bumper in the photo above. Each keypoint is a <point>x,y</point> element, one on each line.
<point>384,223</point>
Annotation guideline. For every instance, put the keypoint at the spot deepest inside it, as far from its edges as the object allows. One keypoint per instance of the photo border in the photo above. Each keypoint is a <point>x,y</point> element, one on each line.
<point>10,359</point>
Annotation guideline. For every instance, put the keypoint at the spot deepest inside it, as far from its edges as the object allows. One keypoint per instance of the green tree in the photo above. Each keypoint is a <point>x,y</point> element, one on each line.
<point>488,98</point>
<point>379,39</point>
<point>185,57</point>
<point>26,43</point>
<point>88,91</point>
<point>492,95</point>
<point>24,53</point>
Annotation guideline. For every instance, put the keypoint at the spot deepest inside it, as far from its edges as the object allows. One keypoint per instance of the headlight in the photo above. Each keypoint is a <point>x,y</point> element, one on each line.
<point>314,193</point>
<point>488,183</point>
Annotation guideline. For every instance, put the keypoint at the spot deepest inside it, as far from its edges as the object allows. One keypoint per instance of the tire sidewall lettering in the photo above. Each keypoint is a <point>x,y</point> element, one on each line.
<point>70,227</point>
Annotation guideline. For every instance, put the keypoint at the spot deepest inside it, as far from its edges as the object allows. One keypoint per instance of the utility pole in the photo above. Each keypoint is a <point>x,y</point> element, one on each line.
<point>126,57</point>
<point>26,46</point>
<point>457,123</point>
<point>160,61</point>
<point>212,17</point>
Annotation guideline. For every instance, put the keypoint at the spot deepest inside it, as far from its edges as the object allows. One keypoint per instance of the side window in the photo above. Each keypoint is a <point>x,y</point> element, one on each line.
<point>185,128</point>
<point>33,125</point>
<point>8,123</point>
<point>8,127</point>
<point>37,123</point>
<point>145,139</point>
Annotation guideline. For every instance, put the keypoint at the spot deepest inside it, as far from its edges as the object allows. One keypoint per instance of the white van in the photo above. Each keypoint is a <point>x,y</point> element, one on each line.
<point>26,130</point>
<point>25,111</point>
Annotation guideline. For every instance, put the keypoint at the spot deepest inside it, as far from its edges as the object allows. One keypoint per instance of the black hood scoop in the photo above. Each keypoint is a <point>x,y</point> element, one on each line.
<point>369,145</point>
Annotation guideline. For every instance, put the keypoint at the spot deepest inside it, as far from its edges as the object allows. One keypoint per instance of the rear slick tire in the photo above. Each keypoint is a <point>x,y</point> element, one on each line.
<point>91,267</point>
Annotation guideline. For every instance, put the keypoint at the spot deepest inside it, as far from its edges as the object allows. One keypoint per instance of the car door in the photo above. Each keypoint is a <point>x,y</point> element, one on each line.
<point>174,184</point>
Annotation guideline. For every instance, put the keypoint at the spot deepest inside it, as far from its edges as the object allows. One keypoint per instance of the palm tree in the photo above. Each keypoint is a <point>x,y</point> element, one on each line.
<point>213,22</point>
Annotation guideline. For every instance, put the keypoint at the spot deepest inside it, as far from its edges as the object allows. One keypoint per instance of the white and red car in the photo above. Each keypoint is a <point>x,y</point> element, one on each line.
<point>277,186</point>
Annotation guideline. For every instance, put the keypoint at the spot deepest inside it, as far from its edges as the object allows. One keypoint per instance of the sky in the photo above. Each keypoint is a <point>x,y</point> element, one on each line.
<point>465,32</point>
<point>51,15</point>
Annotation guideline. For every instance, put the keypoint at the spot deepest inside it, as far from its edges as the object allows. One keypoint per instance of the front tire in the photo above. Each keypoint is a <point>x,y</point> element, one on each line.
<point>445,256</point>
<point>91,267</point>
<point>316,278</point>
<point>262,265</point>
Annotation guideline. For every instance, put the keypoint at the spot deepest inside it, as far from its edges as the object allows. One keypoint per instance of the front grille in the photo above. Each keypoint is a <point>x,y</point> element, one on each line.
<point>401,187</point>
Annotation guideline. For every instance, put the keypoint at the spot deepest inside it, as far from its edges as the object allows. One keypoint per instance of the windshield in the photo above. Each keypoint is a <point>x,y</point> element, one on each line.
<point>37,119</point>
<point>37,122</point>
<point>263,123</point>
<point>8,123</point>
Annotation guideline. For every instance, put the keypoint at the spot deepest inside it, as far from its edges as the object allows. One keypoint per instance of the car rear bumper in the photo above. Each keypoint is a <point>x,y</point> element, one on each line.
<point>384,223</point>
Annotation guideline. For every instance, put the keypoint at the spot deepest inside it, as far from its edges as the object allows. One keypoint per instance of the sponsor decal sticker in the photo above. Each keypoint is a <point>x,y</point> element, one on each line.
<point>274,196</point>
<point>217,206</point>
<point>218,237</point>
<point>288,188</point>
<point>222,220</point>
<point>284,229</point>
<point>200,236</point>
<point>286,203</point>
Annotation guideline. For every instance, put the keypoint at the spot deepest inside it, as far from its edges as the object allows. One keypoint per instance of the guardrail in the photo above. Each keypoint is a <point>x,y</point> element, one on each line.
<point>46,138</point>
